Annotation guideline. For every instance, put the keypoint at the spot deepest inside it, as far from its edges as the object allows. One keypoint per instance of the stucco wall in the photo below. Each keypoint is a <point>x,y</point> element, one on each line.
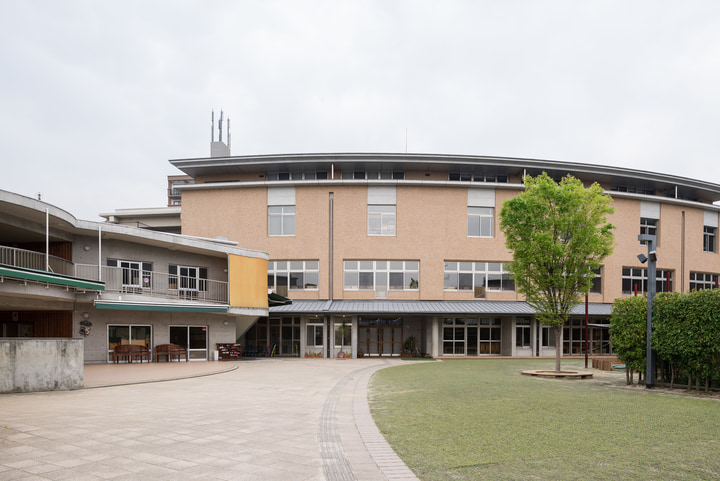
<point>28,365</point>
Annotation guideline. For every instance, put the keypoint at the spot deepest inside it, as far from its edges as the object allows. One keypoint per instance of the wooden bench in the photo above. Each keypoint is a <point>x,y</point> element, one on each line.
<point>170,350</point>
<point>129,352</point>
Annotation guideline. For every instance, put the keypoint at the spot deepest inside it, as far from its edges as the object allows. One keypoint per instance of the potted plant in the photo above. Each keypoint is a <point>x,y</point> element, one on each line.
<point>410,348</point>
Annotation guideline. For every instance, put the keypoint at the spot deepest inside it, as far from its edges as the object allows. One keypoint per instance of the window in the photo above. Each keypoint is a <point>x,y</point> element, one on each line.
<point>136,275</point>
<point>477,277</point>
<point>481,212</point>
<point>293,275</point>
<point>314,339</point>
<point>456,176</point>
<point>304,175</point>
<point>649,220</point>
<point>634,278</point>
<point>189,280</point>
<point>281,211</point>
<point>703,280</point>
<point>480,221</point>
<point>522,332</point>
<point>381,275</point>
<point>596,287</point>
<point>649,227</point>
<point>381,220</point>
<point>361,174</point>
<point>548,337</point>
<point>281,220</point>
<point>381,210</point>
<point>709,236</point>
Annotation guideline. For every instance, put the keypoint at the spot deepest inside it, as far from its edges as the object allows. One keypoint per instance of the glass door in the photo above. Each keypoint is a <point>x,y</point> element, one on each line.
<point>315,334</point>
<point>193,338</point>
<point>128,334</point>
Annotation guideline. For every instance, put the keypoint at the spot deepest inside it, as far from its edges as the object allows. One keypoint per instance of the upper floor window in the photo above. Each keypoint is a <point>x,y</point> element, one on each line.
<point>293,275</point>
<point>649,220</point>
<point>381,210</point>
<point>188,279</point>
<point>703,280</point>
<point>634,279</point>
<point>381,275</point>
<point>596,287</point>
<point>303,175</point>
<point>710,228</point>
<point>464,177</point>
<point>281,211</point>
<point>136,275</point>
<point>481,213</point>
<point>372,174</point>
<point>477,277</point>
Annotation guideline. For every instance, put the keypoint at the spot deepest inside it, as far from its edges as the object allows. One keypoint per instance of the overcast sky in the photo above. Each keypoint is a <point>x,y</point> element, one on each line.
<point>96,96</point>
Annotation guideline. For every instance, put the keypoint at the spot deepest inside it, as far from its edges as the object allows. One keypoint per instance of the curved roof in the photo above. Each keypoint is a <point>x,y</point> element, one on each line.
<point>684,187</point>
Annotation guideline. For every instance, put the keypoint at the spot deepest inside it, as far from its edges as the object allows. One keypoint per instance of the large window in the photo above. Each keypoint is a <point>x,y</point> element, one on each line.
<point>293,275</point>
<point>649,219</point>
<point>471,336</point>
<point>596,287</point>
<point>703,280</point>
<point>315,337</point>
<point>649,227</point>
<point>381,275</point>
<point>634,280</point>
<point>477,277</point>
<point>193,338</point>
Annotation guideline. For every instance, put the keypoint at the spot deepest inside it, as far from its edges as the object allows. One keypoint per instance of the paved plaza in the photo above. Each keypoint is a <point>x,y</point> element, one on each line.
<point>274,419</point>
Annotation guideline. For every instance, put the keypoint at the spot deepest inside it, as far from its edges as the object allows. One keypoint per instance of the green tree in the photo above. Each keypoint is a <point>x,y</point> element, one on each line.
<point>558,234</point>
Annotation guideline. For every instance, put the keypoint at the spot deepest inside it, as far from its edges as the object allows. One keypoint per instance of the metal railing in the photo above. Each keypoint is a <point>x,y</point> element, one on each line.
<point>157,284</point>
<point>12,256</point>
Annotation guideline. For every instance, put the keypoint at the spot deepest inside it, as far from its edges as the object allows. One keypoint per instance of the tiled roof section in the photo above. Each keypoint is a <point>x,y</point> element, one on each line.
<point>384,306</point>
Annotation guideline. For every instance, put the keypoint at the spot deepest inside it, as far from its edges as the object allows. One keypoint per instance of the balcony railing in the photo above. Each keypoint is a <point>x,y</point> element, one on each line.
<point>121,279</point>
<point>14,257</point>
<point>157,284</point>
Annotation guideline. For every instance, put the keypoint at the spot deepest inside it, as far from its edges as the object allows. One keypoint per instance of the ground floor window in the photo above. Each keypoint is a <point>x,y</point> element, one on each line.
<point>380,337</point>
<point>522,333</point>
<point>548,337</point>
<point>194,338</point>
<point>703,280</point>
<point>471,336</point>
<point>574,338</point>
<point>127,334</point>
<point>343,338</point>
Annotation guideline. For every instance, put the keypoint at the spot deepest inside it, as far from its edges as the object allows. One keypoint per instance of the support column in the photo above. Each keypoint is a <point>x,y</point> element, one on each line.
<point>435,337</point>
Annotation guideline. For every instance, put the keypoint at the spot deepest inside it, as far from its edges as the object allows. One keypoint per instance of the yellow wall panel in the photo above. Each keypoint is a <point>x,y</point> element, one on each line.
<point>247,279</point>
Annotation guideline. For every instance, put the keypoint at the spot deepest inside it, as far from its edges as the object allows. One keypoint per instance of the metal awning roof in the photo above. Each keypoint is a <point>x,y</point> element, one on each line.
<point>45,277</point>
<point>160,306</point>
<point>384,306</point>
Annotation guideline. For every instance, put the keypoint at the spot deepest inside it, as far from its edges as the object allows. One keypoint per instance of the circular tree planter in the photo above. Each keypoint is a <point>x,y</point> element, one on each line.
<point>560,375</point>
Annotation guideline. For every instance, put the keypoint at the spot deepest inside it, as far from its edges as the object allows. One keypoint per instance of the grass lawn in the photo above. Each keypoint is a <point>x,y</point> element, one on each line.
<point>481,419</point>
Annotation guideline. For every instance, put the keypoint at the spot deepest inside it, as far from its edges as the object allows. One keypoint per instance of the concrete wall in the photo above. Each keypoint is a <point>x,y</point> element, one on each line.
<point>28,365</point>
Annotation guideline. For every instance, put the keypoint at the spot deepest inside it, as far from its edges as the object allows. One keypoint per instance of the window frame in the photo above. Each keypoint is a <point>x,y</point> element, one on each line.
<point>387,229</point>
<point>710,239</point>
<point>381,275</point>
<point>660,280</point>
<point>283,214</point>
<point>479,218</point>
<point>476,269</point>
<point>306,268</point>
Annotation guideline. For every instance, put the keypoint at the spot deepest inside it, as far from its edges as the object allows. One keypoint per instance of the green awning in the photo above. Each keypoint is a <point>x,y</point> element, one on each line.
<point>50,278</point>
<point>159,306</point>
<point>278,300</point>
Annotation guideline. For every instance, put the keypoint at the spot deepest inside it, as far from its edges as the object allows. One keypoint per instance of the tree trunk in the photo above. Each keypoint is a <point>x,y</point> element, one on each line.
<point>558,347</point>
<point>672,376</point>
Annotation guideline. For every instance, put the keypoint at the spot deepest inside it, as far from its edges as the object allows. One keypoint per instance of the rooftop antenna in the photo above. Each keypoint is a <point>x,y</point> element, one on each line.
<point>220,126</point>
<point>212,126</point>
<point>228,132</point>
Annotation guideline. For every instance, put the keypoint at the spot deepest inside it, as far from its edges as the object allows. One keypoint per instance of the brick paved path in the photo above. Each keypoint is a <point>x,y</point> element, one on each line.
<point>266,420</point>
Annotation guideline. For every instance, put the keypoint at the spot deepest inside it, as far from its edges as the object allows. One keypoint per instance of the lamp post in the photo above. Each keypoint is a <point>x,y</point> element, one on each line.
<point>652,287</point>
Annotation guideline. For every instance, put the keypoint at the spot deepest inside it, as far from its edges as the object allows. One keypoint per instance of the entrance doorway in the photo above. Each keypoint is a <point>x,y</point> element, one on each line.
<point>380,337</point>
<point>193,338</point>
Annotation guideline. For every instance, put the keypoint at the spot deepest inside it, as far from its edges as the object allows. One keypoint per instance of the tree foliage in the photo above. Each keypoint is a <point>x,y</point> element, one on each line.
<point>628,332</point>
<point>558,234</point>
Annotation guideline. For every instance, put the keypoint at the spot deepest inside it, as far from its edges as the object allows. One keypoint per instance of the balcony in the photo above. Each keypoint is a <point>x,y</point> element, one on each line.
<point>119,280</point>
